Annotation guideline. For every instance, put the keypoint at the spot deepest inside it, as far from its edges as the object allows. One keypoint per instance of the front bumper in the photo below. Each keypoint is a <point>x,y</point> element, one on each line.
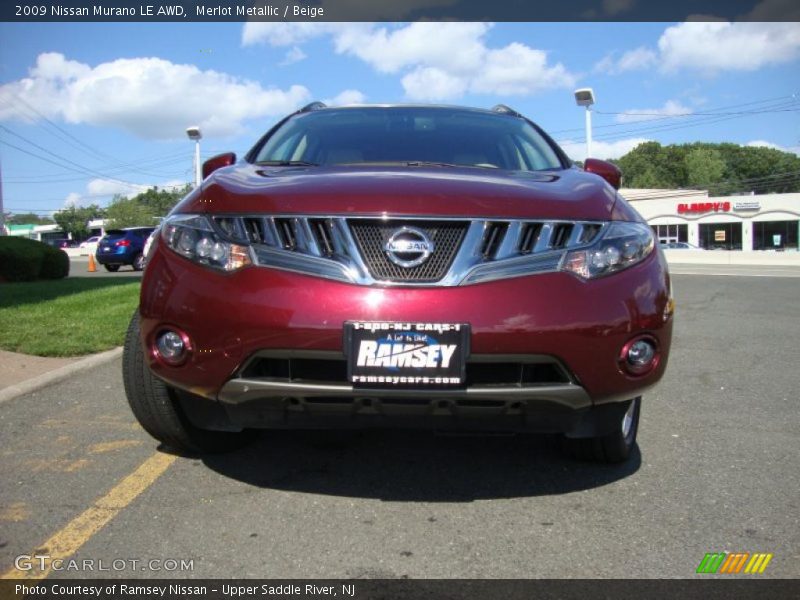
<point>231,318</point>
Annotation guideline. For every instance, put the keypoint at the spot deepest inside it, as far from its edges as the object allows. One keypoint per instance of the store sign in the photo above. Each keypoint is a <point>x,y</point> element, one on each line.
<point>749,205</point>
<point>704,207</point>
<point>719,235</point>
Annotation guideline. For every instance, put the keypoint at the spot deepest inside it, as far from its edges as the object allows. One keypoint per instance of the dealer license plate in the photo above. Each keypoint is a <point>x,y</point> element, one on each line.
<point>389,354</point>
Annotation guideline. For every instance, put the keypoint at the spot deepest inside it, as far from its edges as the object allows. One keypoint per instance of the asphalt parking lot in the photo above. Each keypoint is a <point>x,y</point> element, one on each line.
<point>79,267</point>
<point>717,469</point>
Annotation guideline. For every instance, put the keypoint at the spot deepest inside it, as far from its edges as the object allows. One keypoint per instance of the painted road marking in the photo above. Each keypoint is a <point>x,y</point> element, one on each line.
<point>77,532</point>
<point>111,446</point>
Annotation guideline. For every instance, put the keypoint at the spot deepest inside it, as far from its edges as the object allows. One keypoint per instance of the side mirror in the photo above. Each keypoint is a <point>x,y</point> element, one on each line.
<point>217,162</point>
<point>604,169</point>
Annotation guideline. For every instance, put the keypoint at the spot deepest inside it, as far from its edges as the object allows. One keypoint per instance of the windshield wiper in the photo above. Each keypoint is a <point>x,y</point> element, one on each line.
<point>286,163</point>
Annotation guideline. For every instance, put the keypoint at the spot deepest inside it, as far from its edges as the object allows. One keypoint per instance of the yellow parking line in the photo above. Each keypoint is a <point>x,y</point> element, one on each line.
<point>77,532</point>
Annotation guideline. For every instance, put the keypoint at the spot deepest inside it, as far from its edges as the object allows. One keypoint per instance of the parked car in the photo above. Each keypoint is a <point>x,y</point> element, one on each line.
<point>401,266</point>
<point>123,247</point>
<point>680,246</point>
<point>61,243</point>
<point>90,245</point>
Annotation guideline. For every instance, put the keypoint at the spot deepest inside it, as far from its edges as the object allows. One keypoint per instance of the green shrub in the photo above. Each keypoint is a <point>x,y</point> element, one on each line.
<point>22,259</point>
<point>55,264</point>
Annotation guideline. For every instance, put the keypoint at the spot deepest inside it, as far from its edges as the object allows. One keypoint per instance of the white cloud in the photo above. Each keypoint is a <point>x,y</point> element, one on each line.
<point>149,97</point>
<point>109,187</point>
<point>100,190</point>
<point>766,144</point>
<point>671,108</point>
<point>711,45</point>
<point>576,149</point>
<point>73,200</point>
<point>293,55</point>
<point>430,84</point>
<point>633,60</point>
<point>346,97</point>
<point>452,47</point>
<point>518,69</point>
<point>283,34</point>
<point>437,61</point>
<point>720,46</point>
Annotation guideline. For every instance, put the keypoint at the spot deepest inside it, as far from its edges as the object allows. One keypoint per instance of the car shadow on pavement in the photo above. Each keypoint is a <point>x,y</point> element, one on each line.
<point>414,466</point>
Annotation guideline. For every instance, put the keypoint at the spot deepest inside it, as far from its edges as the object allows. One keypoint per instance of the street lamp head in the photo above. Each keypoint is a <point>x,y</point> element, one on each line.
<point>584,97</point>
<point>194,133</point>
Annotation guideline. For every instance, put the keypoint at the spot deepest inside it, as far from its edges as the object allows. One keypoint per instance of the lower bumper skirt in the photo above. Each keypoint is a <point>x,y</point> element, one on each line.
<point>251,403</point>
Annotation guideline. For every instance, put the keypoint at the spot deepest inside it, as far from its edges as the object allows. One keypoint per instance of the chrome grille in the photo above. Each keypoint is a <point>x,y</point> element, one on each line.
<point>352,249</point>
<point>372,236</point>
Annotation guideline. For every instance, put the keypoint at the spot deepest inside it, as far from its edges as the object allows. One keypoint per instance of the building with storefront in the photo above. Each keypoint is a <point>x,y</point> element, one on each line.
<point>766,222</point>
<point>43,233</point>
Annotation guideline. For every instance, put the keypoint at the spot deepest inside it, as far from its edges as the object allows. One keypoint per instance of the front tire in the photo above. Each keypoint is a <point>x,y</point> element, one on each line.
<point>157,408</point>
<point>112,268</point>
<point>614,447</point>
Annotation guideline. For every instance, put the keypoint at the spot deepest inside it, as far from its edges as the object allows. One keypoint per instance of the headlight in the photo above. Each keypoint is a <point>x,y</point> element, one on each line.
<point>193,237</point>
<point>621,246</point>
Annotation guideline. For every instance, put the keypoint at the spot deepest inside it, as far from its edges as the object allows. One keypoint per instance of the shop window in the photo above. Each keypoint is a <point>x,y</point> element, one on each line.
<point>721,236</point>
<point>775,235</point>
<point>671,233</point>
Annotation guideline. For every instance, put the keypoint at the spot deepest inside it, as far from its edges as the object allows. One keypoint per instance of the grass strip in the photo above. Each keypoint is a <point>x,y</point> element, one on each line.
<point>67,317</point>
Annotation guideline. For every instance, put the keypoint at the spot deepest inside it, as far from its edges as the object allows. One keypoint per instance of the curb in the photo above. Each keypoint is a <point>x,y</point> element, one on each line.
<point>31,385</point>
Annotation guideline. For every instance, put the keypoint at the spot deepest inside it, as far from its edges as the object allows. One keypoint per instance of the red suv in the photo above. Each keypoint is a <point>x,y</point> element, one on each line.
<point>401,266</point>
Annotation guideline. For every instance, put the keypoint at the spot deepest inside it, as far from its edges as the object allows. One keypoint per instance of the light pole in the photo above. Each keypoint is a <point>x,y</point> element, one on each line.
<point>585,97</point>
<point>194,134</point>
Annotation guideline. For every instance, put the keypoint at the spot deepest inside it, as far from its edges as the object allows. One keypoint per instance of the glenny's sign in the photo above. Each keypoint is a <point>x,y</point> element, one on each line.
<point>704,207</point>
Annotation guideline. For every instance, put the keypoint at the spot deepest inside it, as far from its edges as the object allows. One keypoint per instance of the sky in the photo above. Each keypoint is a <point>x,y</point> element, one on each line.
<point>89,110</point>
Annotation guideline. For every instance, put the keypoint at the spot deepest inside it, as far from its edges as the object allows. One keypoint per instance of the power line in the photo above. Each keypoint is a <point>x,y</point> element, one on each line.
<point>111,163</point>
<point>65,134</point>
<point>779,103</point>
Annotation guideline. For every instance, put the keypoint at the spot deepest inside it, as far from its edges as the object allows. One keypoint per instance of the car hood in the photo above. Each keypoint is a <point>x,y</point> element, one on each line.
<point>406,191</point>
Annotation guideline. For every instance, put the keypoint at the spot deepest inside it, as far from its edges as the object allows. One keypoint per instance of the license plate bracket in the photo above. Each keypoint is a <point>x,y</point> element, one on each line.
<point>406,355</point>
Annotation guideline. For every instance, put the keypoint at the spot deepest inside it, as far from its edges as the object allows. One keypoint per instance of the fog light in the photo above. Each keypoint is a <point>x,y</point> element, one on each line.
<point>641,353</point>
<point>639,356</point>
<point>171,347</point>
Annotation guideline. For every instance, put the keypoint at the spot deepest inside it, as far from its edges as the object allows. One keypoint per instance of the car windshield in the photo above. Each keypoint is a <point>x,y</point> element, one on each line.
<point>413,136</point>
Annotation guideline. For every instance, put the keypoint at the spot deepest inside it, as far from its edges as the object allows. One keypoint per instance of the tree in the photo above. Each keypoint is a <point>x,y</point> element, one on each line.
<point>160,202</point>
<point>144,209</point>
<point>722,169</point>
<point>75,219</point>
<point>127,212</point>
<point>704,167</point>
<point>647,166</point>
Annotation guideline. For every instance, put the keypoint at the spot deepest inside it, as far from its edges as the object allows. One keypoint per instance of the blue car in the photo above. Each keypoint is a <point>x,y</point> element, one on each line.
<point>123,247</point>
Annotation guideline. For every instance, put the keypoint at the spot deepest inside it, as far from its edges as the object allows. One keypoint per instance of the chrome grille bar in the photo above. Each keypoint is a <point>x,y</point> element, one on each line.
<point>489,249</point>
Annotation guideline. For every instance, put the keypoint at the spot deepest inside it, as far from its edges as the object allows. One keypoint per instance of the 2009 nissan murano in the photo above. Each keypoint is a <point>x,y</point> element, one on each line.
<point>401,266</point>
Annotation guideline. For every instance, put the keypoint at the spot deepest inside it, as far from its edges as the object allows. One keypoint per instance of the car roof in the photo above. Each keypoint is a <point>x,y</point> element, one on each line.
<point>500,109</point>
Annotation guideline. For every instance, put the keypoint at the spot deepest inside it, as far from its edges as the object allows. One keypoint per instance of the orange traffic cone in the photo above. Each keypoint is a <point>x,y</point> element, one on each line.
<point>92,266</point>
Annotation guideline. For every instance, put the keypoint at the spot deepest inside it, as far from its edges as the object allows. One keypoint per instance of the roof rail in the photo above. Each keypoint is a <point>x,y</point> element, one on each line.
<point>506,110</point>
<point>312,106</point>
